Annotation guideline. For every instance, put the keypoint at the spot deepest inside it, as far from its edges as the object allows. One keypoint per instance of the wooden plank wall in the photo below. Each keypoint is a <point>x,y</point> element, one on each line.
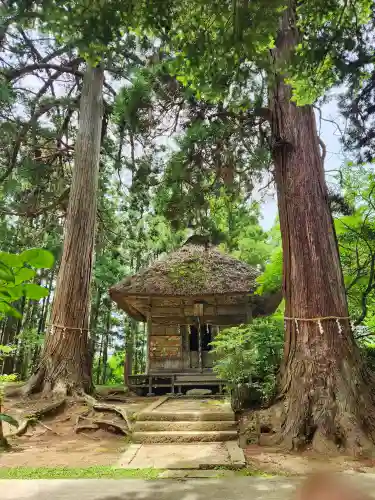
<point>165,348</point>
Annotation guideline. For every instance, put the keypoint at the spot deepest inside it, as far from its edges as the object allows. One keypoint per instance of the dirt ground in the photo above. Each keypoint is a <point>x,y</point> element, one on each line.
<point>274,461</point>
<point>53,442</point>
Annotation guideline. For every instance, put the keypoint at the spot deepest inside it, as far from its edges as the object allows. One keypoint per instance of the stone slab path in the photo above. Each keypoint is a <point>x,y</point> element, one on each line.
<point>182,456</point>
<point>185,420</point>
<point>236,488</point>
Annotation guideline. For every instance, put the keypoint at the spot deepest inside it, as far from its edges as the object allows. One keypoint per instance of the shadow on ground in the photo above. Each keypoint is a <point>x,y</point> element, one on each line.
<point>239,488</point>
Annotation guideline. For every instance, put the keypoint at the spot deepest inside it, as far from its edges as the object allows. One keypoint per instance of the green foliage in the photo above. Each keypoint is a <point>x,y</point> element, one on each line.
<point>116,368</point>
<point>188,272</point>
<point>8,419</point>
<point>237,222</point>
<point>5,350</point>
<point>356,239</point>
<point>251,353</point>
<point>15,269</point>
<point>271,279</point>
<point>7,378</point>
<point>330,33</point>
<point>133,103</point>
<point>38,258</point>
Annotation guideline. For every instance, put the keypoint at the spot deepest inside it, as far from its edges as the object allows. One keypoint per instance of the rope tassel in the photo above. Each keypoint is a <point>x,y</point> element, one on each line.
<point>339,327</point>
<point>319,320</point>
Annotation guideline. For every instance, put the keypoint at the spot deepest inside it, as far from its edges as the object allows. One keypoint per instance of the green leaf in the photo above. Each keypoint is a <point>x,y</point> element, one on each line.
<point>10,420</point>
<point>34,292</point>
<point>16,292</point>
<point>6,349</point>
<point>10,259</point>
<point>38,257</point>
<point>8,310</point>
<point>6,274</point>
<point>5,294</point>
<point>24,274</point>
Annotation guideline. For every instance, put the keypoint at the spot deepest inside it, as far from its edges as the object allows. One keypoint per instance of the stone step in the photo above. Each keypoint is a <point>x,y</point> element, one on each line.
<point>186,416</point>
<point>197,425</point>
<point>183,436</point>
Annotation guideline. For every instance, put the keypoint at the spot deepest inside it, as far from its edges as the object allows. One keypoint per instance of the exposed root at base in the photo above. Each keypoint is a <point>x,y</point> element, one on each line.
<point>85,427</point>
<point>33,417</point>
<point>87,420</point>
<point>110,426</point>
<point>60,388</point>
<point>98,406</point>
<point>345,435</point>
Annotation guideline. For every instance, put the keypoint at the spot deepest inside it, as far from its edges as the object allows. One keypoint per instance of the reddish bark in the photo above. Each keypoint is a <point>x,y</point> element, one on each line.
<point>65,365</point>
<point>327,400</point>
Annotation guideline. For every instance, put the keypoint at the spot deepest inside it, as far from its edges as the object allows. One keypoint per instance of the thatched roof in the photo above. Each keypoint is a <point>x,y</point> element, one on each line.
<point>191,270</point>
<point>194,270</point>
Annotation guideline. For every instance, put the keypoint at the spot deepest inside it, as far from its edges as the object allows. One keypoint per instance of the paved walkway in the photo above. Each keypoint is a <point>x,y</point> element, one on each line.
<point>239,488</point>
<point>182,456</point>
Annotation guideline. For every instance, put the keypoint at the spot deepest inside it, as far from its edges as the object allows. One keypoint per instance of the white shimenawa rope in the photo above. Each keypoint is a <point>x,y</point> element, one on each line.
<point>319,320</point>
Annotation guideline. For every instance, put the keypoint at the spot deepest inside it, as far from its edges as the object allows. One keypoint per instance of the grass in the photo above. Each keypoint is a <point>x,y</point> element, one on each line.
<point>246,471</point>
<point>111,387</point>
<point>255,472</point>
<point>77,473</point>
<point>103,472</point>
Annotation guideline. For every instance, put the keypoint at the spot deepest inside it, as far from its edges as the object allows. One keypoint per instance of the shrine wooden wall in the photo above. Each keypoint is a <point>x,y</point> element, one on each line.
<point>165,348</point>
<point>169,349</point>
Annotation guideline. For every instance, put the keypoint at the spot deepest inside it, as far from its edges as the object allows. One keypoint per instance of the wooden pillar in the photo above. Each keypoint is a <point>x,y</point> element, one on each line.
<point>188,329</point>
<point>200,347</point>
<point>149,327</point>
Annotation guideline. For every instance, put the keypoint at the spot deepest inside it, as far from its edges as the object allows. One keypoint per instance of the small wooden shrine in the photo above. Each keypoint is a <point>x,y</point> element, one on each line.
<point>186,298</point>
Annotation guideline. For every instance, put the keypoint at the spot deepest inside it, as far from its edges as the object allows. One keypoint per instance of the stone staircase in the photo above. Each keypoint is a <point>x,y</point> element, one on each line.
<point>173,423</point>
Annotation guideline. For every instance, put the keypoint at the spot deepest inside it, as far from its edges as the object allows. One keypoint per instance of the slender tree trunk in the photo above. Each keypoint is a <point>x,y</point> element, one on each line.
<point>42,322</point>
<point>128,368</point>
<point>326,398</point>
<point>23,324</point>
<point>93,327</point>
<point>105,346</point>
<point>65,364</point>
<point>9,336</point>
<point>135,348</point>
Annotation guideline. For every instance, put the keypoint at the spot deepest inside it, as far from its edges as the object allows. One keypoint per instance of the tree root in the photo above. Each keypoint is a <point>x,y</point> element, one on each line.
<point>90,426</point>
<point>13,392</point>
<point>36,415</point>
<point>22,429</point>
<point>331,436</point>
<point>48,428</point>
<point>48,410</point>
<point>96,405</point>
<point>110,426</point>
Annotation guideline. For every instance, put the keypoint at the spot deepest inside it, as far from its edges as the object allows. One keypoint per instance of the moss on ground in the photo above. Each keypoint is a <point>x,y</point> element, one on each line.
<point>77,473</point>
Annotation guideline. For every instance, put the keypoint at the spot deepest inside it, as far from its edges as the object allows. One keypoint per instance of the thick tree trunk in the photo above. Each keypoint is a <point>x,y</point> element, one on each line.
<point>65,364</point>
<point>327,400</point>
